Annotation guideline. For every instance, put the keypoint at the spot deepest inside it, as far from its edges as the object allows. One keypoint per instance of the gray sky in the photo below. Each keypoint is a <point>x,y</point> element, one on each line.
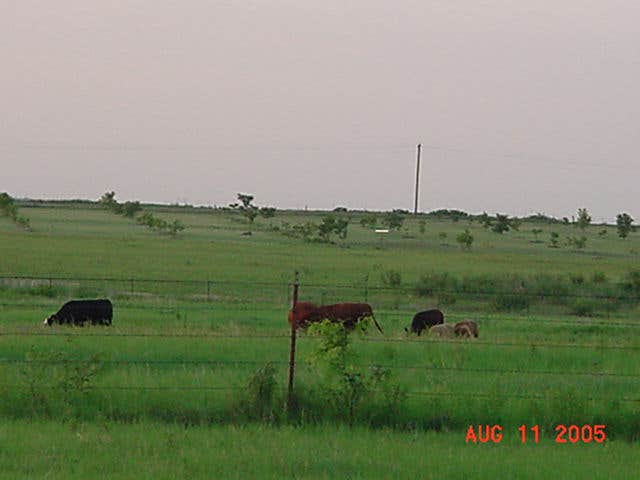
<point>522,107</point>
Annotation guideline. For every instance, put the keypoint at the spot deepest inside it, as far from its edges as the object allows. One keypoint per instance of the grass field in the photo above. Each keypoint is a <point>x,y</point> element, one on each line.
<point>161,451</point>
<point>196,316</point>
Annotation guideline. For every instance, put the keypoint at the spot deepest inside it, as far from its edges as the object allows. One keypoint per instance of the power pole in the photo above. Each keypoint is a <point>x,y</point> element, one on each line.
<point>415,204</point>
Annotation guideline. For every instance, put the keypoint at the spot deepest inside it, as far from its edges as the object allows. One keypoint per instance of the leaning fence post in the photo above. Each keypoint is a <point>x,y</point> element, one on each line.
<point>292,350</point>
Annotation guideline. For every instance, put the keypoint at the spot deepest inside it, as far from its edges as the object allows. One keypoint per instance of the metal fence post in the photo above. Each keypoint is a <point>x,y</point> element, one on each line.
<point>292,350</point>
<point>366,288</point>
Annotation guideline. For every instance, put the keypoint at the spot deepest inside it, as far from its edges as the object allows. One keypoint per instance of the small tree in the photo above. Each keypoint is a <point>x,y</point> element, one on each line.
<point>394,219</point>
<point>578,243</point>
<point>465,239</point>
<point>370,220</point>
<point>174,227</point>
<point>423,226</point>
<point>584,219</point>
<point>9,209</point>
<point>108,199</point>
<point>502,224</point>
<point>485,220</point>
<point>247,208</point>
<point>330,225</point>
<point>536,232</point>
<point>624,223</point>
<point>554,239</point>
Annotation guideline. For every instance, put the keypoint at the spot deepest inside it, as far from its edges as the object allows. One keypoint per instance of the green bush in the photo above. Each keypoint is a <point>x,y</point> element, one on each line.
<point>260,402</point>
<point>391,278</point>
<point>583,307</point>
<point>510,302</point>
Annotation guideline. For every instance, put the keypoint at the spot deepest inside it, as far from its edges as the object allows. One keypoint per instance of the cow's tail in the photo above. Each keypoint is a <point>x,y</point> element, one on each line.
<point>377,324</point>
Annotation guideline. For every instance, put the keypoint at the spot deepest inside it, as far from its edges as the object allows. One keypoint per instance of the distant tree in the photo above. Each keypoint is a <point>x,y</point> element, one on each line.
<point>624,224</point>
<point>325,229</point>
<point>577,242</point>
<point>465,239</point>
<point>9,209</point>
<point>442,236</point>
<point>565,220</point>
<point>145,219</point>
<point>174,227</point>
<point>246,199</point>
<point>129,209</point>
<point>247,208</point>
<point>340,227</point>
<point>7,206</point>
<point>485,220</point>
<point>515,223</point>
<point>584,219</point>
<point>340,209</point>
<point>502,224</point>
<point>332,225</point>
<point>108,198</point>
<point>602,233</point>
<point>369,220</point>
<point>268,212</point>
<point>394,219</point>
<point>423,226</point>
<point>554,239</point>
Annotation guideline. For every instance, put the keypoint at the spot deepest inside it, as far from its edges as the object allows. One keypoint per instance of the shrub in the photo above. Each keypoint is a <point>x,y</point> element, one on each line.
<point>391,278</point>
<point>598,277</point>
<point>510,302</point>
<point>584,308</point>
<point>429,284</point>
<point>465,239</point>
<point>261,387</point>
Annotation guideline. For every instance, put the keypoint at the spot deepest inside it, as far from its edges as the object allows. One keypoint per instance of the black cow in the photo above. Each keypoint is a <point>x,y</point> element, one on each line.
<point>425,320</point>
<point>77,312</point>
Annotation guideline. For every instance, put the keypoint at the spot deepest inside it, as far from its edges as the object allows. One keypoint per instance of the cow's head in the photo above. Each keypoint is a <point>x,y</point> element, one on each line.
<point>49,320</point>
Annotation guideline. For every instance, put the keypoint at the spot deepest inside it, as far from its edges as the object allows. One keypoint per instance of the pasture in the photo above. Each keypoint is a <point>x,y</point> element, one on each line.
<point>195,317</point>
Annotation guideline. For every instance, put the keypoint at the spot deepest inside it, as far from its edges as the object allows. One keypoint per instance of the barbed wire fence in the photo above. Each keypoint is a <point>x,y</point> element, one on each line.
<point>288,295</point>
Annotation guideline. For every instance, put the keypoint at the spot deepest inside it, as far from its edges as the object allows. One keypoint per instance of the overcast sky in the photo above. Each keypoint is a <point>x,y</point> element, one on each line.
<point>522,107</point>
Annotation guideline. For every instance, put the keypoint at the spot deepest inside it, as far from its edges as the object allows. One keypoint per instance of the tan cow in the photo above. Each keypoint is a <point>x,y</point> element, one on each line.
<point>466,328</point>
<point>444,330</point>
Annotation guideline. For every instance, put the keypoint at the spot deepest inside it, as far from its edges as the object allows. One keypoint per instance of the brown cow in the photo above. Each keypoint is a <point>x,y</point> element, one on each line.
<point>301,314</point>
<point>466,328</point>
<point>349,314</point>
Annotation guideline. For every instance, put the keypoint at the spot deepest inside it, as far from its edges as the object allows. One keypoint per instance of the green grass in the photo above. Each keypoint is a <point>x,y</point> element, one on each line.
<point>183,352</point>
<point>159,451</point>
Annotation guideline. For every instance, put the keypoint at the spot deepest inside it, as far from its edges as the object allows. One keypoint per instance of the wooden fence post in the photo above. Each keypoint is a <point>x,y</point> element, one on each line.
<point>292,350</point>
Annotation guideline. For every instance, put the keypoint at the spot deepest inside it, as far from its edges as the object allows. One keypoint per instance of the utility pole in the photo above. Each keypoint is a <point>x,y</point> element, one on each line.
<point>415,204</point>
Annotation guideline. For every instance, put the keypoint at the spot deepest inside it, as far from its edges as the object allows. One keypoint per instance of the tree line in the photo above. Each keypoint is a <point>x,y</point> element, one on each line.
<point>131,209</point>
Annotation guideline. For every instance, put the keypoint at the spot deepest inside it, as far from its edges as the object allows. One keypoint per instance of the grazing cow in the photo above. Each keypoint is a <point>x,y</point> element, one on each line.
<point>442,330</point>
<point>299,316</point>
<point>425,320</point>
<point>77,312</point>
<point>466,328</point>
<point>348,314</point>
